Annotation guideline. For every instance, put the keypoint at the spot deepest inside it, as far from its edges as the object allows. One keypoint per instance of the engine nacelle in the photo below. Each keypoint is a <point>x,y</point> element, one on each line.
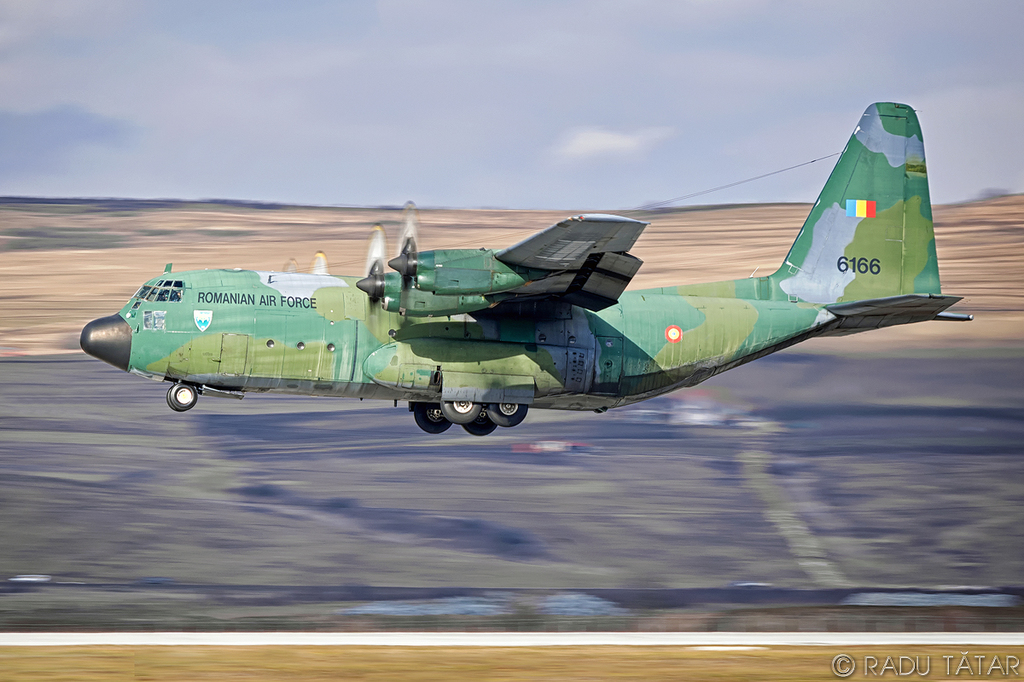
<point>449,282</point>
<point>465,272</point>
<point>418,303</point>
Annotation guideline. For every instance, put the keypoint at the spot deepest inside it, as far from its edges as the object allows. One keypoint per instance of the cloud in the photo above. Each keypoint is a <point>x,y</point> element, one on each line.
<point>45,141</point>
<point>29,25</point>
<point>585,144</point>
<point>462,103</point>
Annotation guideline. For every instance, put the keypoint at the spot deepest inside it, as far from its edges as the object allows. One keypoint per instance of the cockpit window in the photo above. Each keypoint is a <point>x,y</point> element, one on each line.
<point>164,290</point>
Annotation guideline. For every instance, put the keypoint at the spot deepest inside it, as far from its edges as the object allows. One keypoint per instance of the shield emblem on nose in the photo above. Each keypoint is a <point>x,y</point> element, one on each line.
<point>203,318</point>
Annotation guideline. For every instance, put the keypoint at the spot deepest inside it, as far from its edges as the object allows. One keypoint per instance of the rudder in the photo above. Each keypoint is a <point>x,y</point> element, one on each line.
<point>870,234</point>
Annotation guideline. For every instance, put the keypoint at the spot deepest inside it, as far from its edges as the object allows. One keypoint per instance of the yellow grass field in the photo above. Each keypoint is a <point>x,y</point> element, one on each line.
<point>411,664</point>
<point>50,291</point>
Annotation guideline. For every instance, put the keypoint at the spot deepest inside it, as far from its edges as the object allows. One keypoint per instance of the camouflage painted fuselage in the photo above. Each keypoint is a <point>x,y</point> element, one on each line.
<point>319,335</point>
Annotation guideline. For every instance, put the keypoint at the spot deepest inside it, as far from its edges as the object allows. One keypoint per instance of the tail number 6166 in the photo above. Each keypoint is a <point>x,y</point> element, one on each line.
<point>861,266</point>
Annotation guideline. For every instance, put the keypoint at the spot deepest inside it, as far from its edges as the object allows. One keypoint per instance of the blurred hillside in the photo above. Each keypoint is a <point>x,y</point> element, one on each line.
<point>65,262</point>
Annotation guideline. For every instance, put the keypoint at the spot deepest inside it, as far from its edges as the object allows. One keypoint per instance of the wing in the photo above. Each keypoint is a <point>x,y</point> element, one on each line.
<point>586,257</point>
<point>566,245</point>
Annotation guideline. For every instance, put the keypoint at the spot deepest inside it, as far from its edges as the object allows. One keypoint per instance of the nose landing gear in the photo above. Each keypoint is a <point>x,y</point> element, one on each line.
<point>182,397</point>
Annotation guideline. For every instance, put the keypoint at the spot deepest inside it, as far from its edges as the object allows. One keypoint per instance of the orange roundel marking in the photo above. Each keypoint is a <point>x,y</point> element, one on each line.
<point>674,334</point>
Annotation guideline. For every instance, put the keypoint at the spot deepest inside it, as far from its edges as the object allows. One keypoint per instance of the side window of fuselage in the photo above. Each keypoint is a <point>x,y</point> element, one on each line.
<point>154,319</point>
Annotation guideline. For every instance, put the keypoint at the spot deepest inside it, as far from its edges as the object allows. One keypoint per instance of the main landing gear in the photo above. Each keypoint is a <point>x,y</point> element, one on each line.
<point>182,397</point>
<point>476,418</point>
<point>429,417</point>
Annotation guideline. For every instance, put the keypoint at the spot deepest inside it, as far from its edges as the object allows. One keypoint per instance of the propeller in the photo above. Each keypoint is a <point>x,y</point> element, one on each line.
<point>318,266</point>
<point>373,283</point>
<point>406,260</point>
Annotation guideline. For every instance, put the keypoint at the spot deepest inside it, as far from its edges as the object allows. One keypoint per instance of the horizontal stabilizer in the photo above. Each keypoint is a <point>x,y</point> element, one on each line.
<point>876,313</point>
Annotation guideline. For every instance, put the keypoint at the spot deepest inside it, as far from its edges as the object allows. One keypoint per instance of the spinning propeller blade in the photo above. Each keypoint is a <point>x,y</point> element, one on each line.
<point>405,261</point>
<point>377,249</point>
<point>318,266</point>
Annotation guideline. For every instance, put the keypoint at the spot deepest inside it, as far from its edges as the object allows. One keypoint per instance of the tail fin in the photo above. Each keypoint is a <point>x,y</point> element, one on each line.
<point>870,233</point>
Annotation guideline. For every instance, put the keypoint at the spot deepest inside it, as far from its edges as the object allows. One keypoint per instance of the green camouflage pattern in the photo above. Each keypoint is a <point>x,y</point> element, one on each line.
<point>320,335</point>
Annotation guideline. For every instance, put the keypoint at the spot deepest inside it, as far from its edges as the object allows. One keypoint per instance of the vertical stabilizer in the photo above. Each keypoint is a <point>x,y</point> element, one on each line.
<point>870,233</point>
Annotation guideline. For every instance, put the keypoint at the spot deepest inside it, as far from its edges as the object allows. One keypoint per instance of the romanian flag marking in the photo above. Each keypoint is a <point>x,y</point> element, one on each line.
<point>859,208</point>
<point>674,334</point>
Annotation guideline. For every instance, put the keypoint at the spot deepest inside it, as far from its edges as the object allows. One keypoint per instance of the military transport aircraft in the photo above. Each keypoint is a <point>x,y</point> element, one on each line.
<point>477,337</point>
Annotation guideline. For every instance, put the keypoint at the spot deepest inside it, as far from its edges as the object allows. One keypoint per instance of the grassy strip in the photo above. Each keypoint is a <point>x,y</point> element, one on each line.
<point>421,664</point>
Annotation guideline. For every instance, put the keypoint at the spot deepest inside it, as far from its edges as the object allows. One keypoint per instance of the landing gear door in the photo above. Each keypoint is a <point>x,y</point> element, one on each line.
<point>608,366</point>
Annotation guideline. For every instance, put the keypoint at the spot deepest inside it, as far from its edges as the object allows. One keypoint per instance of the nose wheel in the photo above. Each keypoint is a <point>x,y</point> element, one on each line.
<point>182,397</point>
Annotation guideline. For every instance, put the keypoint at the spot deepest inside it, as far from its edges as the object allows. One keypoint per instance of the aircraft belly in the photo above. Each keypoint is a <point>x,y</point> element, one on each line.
<point>431,369</point>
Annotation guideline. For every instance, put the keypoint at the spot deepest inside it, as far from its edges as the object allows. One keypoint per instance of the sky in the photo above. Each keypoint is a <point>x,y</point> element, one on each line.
<point>574,104</point>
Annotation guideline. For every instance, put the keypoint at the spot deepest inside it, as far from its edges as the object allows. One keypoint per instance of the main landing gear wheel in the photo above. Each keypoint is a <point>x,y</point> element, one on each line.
<point>507,414</point>
<point>182,397</point>
<point>461,411</point>
<point>429,417</point>
<point>480,426</point>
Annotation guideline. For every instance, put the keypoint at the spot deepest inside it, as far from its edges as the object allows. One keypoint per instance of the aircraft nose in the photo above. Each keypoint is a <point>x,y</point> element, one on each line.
<point>108,339</point>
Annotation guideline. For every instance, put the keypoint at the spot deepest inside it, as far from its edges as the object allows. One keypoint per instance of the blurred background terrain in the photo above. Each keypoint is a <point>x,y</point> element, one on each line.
<point>65,262</point>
